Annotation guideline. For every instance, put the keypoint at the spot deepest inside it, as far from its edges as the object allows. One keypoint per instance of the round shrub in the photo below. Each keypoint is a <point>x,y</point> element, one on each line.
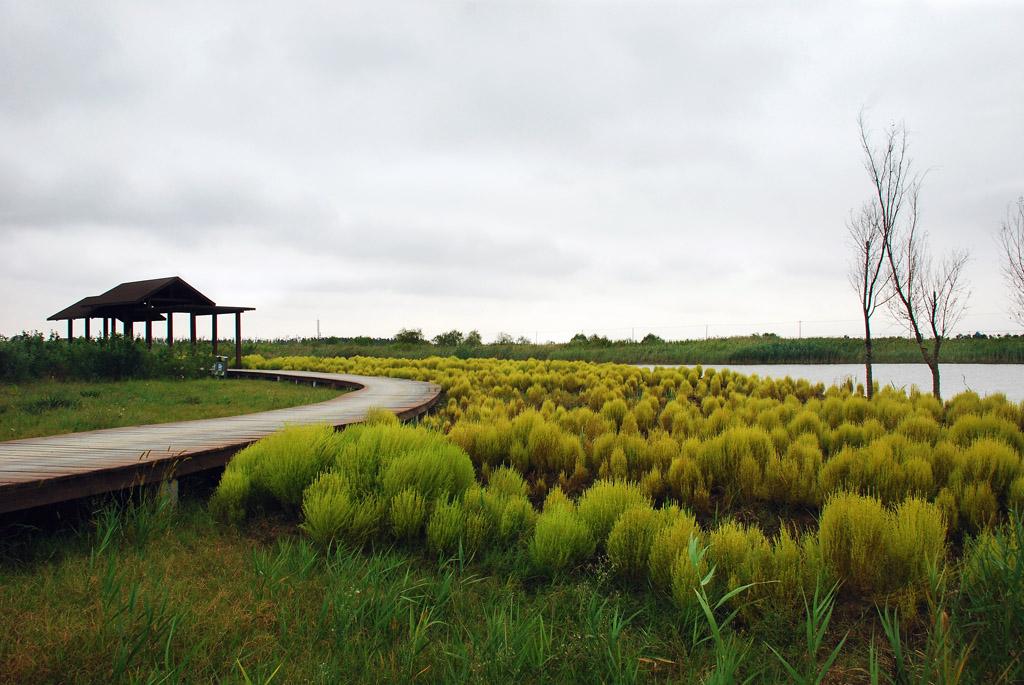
<point>376,416</point>
<point>556,499</point>
<point>434,471</point>
<point>507,482</point>
<point>630,540</point>
<point>561,540</point>
<point>604,501</point>
<point>517,519</point>
<point>230,501</point>
<point>669,542</point>
<point>444,531</point>
<point>738,553</point>
<point>688,570</point>
<point>407,515</point>
<point>285,463</point>
<point>327,508</point>
<point>853,534</point>
<point>918,540</point>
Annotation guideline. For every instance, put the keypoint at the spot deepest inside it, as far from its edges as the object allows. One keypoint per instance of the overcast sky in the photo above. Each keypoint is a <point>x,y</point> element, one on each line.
<point>533,168</point>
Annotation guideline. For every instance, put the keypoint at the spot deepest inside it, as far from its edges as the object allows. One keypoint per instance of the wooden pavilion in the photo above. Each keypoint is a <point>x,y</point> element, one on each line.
<point>157,299</point>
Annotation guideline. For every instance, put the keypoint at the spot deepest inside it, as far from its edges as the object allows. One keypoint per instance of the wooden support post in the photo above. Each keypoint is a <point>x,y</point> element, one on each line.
<point>192,330</point>
<point>170,329</point>
<point>129,330</point>
<point>106,327</point>
<point>149,334</point>
<point>71,329</point>
<point>213,334</point>
<point>87,328</point>
<point>238,340</point>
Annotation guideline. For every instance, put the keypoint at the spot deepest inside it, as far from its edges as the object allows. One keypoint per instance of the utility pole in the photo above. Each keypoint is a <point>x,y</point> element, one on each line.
<point>705,331</point>
<point>799,329</point>
<point>318,329</point>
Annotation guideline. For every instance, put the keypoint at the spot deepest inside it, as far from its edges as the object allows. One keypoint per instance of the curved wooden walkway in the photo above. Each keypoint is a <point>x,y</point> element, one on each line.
<point>38,471</point>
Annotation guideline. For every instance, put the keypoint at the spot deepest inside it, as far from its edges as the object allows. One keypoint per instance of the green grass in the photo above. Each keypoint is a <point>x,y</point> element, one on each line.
<point>154,594</point>
<point>51,407</point>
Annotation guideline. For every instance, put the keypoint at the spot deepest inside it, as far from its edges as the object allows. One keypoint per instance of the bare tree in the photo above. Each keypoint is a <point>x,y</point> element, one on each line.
<point>928,298</point>
<point>1011,239</point>
<point>869,274</point>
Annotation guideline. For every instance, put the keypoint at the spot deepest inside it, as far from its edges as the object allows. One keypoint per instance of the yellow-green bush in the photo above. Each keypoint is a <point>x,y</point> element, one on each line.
<point>327,508</point>
<point>604,502</point>
<point>231,500</point>
<point>445,528</point>
<point>878,550</point>
<point>739,553</point>
<point>669,542</point>
<point>407,515</point>
<point>285,463</point>
<point>853,533</point>
<point>630,540</point>
<point>561,540</point>
<point>688,569</point>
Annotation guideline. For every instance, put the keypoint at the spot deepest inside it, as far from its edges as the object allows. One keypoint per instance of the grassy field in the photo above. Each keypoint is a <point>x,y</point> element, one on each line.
<point>150,594</point>
<point>755,349</point>
<point>50,407</point>
<point>556,522</point>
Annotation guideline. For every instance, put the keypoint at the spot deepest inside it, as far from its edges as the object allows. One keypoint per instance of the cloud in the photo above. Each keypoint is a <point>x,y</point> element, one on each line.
<point>519,166</point>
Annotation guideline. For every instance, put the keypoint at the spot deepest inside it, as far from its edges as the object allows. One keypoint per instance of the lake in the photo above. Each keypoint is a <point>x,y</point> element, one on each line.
<point>984,379</point>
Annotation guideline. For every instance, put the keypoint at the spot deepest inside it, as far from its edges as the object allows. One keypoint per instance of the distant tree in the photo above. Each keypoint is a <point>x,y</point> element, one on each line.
<point>1011,239</point>
<point>869,274</point>
<point>504,339</point>
<point>473,339</point>
<point>523,340</point>
<point>929,297</point>
<point>410,336</point>
<point>578,339</point>
<point>652,339</point>
<point>452,338</point>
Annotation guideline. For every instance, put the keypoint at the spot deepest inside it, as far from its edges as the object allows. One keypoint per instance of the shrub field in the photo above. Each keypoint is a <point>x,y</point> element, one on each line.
<point>558,521</point>
<point>737,499</point>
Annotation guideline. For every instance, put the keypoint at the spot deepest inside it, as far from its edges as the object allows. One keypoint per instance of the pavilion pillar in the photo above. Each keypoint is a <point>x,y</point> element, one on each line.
<point>71,329</point>
<point>213,334</point>
<point>149,334</point>
<point>170,329</point>
<point>192,330</point>
<point>106,327</point>
<point>238,340</point>
<point>129,330</point>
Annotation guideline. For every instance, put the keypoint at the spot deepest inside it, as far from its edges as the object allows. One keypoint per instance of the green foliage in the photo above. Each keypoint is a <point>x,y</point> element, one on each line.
<point>327,508</point>
<point>630,540</point>
<point>604,502</point>
<point>407,515</point>
<point>877,550</point>
<point>231,500</point>
<point>380,417</point>
<point>561,541</point>
<point>669,543</point>
<point>992,599</point>
<point>434,471</point>
<point>445,529</point>
<point>289,460</point>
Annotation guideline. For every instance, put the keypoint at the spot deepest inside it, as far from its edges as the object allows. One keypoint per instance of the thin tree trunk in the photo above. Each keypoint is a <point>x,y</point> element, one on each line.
<point>870,387</point>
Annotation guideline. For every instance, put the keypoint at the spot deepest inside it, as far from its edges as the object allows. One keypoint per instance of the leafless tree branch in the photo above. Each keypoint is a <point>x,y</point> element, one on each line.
<point>1011,239</point>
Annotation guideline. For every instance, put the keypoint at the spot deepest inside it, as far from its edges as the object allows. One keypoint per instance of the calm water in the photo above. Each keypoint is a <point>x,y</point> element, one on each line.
<point>983,379</point>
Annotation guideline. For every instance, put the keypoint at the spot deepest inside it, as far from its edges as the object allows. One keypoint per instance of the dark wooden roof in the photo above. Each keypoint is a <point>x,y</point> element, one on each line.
<point>144,301</point>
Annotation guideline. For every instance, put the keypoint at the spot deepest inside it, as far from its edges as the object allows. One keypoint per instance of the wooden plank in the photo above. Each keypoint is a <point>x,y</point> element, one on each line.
<point>38,471</point>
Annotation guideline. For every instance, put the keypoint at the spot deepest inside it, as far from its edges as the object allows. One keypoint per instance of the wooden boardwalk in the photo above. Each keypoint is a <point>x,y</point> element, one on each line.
<point>38,471</point>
